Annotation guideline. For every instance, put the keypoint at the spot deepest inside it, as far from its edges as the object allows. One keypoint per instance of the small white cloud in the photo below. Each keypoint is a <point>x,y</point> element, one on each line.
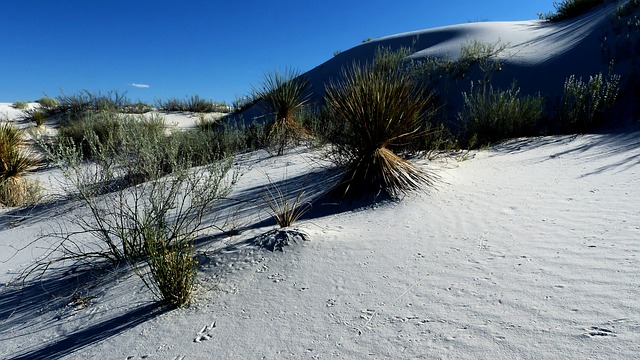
<point>141,86</point>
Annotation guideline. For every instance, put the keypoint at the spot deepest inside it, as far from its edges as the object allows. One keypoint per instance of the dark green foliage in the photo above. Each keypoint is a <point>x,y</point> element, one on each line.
<point>491,115</point>
<point>47,102</point>
<point>192,104</point>
<point>569,9</point>
<point>20,105</point>
<point>584,102</point>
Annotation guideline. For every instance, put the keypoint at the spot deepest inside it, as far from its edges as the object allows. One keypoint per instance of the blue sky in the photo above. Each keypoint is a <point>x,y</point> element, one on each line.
<point>156,49</point>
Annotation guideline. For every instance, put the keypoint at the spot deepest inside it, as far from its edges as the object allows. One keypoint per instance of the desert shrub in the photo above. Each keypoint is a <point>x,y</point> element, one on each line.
<point>72,107</point>
<point>145,205</point>
<point>481,53</point>
<point>20,105</point>
<point>192,104</point>
<point>47,102</point>
<point>108,128</point>
<point>569,9</point>
<point>284,95</point>
<point>38,117</point>
<point>173,270</point>
<point>584,102</point>
<point>379,110</point>
<point>490,115</point>
<point>15,161</point>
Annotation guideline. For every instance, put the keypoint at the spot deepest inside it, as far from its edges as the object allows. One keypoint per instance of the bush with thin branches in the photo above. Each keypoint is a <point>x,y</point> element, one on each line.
<point>284,95</point>
<point>490,115</point>
<point>382,110</point>
<point>145,204</point>
<point>583,102</point>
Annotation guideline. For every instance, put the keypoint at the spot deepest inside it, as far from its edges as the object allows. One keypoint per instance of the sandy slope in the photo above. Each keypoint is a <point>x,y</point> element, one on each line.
<point>526,250</point>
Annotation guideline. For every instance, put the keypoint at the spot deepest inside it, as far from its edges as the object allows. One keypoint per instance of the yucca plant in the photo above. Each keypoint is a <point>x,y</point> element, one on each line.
<point>382,110</point>
<point>284,95</point>
<point>15,161</point>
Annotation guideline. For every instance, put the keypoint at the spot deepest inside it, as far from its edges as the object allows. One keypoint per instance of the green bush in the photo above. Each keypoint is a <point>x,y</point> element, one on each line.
<point>584,102</point>
<point>47,102</point>
<point>38,117</point>
<point>284,95</point>
<point>192,104</point>
<point>145,203</point>
<point>569,9</point>
<point>490,115</point>
<point>20,105</point>
<point>378,109</point>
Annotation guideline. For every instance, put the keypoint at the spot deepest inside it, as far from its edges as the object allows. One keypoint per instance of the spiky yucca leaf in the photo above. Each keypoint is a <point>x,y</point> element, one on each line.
<point>14,162</point>
<point>284,94</point>
<point>383,110</point>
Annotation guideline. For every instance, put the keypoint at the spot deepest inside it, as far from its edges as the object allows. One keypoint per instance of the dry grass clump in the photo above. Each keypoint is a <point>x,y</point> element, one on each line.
<point>382,109</point>
<point>284,210</point>
<point>15,161</point>
<point>284,95</point>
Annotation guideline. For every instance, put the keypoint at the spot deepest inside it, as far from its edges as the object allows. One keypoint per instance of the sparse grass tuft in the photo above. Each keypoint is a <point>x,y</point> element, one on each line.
<point>173,270</point>
<point>20,105</point>
<point>282,209</point>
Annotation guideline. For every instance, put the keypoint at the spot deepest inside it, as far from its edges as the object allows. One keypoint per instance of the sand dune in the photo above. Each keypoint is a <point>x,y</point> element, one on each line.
<point>529,249</point>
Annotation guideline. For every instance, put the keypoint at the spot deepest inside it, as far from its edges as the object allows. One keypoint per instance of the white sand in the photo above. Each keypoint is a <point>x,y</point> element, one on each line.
<point>530,249</point>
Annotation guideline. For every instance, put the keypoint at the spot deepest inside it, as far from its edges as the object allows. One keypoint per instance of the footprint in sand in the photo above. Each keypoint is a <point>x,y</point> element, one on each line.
<point>205,333</point>
<point>595,331</point>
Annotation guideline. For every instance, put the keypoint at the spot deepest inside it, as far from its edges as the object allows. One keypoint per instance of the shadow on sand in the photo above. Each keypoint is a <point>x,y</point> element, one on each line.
<point>34,305</point>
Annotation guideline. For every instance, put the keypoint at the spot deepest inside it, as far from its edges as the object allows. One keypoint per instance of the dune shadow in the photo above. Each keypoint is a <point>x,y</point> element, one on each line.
<point>94,334</point>
<point>29,215</point>
<point>40,302</point>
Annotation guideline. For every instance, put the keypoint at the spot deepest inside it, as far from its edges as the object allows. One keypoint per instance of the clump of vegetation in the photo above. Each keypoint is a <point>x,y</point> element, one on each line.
<point>243,103</point>
<point>284,95</point>
<point>583,102</point>
<point>15,161</point>
<point>172,269</point>
<point>193,104</point>
<point>39,117</point>
<point>283,210</point>
<point>47,102</point>
<point>20,105</point>
<point>380,109</point>
<point>145,203</point>
<point>569,9</point>
<point>489,114</point>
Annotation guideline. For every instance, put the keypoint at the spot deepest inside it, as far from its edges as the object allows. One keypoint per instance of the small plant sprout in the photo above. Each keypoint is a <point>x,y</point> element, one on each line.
<point>284,210</point>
